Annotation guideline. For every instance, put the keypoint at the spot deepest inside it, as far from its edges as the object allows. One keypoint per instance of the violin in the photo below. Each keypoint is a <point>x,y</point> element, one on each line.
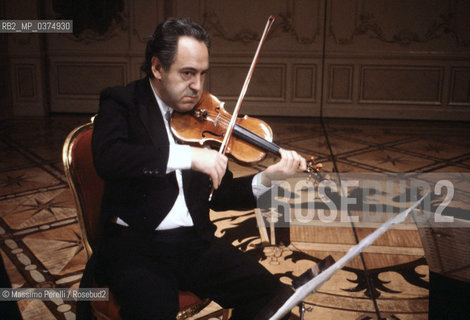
<point>246,139</point>
<point>207,123</point>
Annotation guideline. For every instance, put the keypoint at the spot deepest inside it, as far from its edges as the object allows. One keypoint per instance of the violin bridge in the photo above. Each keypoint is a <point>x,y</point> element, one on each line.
<point>200,114</point>
<point>216,121</point>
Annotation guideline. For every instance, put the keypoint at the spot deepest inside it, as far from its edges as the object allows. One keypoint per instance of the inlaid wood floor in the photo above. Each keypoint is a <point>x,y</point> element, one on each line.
<point>41,241</point>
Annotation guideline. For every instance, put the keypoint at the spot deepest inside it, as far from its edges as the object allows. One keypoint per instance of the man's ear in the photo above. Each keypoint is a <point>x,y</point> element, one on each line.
<point>156,68</point>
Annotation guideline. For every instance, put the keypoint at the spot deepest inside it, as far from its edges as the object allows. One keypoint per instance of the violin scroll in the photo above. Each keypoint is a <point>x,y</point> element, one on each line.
<point>313,169</point>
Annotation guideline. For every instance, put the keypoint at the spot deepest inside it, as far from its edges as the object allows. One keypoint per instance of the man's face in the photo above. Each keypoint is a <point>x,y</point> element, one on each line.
<point>181,86</point>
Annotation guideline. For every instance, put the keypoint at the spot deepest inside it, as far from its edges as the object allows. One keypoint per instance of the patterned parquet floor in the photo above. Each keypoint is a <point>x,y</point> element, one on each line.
<point>41,241</point>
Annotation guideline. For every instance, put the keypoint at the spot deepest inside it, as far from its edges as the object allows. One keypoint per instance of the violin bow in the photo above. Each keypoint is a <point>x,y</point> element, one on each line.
<point>228,133</point>
<point>311,167</point>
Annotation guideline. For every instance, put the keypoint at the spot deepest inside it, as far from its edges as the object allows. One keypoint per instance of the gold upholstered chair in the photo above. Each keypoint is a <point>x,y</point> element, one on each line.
<point>87,190</point>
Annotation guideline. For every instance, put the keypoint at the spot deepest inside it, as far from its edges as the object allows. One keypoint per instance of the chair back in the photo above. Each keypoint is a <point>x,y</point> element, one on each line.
<point>85,184</point>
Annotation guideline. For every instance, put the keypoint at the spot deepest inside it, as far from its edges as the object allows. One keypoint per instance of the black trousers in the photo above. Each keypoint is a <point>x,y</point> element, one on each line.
<point>448,298</point>
<point>146,271</point>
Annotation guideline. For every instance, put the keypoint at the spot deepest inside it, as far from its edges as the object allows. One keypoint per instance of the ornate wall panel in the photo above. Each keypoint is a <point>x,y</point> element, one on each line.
<point>304,83</point>
<point>75,85</point>
<point>25,78</point>
<point>98,77</point>
<point>97,55</point>
<point>236,26</point>
<point>26,63</point>
<point>341,82</point>
<point>388,59</point>
<point>228,79</point>
<point>286,79</point>
<point>398,25</point>
<point>460,87</point>
<point>395,84</point>
<point>409,58</point>
<point>27,88</point>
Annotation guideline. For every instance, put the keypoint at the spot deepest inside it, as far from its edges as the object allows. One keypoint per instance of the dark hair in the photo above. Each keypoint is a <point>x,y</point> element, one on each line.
<point>164,41</point>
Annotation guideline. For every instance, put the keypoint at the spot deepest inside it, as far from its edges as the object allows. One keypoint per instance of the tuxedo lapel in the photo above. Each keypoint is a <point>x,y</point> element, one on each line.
<point>149,112</point>
<point>151,117</point>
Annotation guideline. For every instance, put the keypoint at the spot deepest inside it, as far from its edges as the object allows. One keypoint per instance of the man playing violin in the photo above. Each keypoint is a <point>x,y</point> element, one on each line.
<point>157,237</point>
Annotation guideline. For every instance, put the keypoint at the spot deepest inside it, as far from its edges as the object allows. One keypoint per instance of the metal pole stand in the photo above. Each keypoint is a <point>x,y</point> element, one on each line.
<point>302,309</point>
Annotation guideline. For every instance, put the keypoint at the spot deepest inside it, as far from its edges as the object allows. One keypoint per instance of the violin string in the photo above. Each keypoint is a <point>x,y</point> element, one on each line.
<point>225,120</point>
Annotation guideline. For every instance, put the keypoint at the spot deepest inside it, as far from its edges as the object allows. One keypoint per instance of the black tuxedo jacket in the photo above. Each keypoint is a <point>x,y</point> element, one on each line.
<point>130,150</point>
